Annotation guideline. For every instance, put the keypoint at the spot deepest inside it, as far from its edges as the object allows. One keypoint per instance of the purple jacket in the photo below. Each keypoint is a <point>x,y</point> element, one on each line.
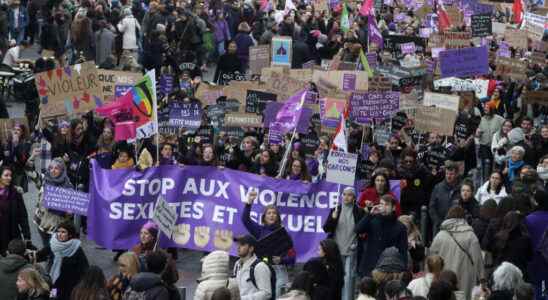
<point>259,231</point>
<point>221,33</point>
<point>537,223</point>
<point>243,41</point>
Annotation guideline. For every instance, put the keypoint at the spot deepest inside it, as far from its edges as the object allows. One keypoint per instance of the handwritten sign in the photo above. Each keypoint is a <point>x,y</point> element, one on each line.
<point>112,81</point>
<point>481,25</point>
<point>511,68</point>
<point>243,120</point>
<point>464,62</point>
<point>456,40</point>
<point>256,101</point>
<point>259,58</point>
<point>450,102</point>
<point>435,119</point>
<point>341,167</point>
<point>368,106</point>
<point>516,38</point>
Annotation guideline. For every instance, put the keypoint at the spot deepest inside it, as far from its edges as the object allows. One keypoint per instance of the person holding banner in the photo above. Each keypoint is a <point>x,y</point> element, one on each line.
<point>340,227</point>
<point>14,223</point>
<point>48,219</point>
<point>273,240</point>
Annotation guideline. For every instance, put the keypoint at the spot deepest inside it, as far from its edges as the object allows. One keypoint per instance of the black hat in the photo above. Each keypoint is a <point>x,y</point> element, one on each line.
<point>246,240</point>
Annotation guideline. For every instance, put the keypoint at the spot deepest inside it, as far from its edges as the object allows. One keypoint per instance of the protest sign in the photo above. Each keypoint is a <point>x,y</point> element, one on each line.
<point>534,25</point>
<point>365,107</point>
<point>379,83</point>
<point>435,119</point>
<point>225,78</point>
<point>209,93</point>
<point>209,204</point>
<point>539,97</point>
<point>481,25</point>
<point>464,62</point>
<point>498,28</point>
<point>392,44</point>
<point>7,125</point>
<point>238,90</point>
<point>511,68</point>
<point>284,86</point>
<point>343,80</point>
<point>456,40</point>
<point>331,109</point>
<point>185,115</point>
<point>69,90</point>
<point>450,102</point>
<point>408,48</point>
<point>112,81</point>
<point>165,216</point>
<point>259,58</point>
<point>275,134</point>
<point>341,167</point>
<point>255,101</point>
<point>272,108</point>
<point>243,120</point>
<point>66,200</point>
<point>538,58</point>
<point>282,49</point>
<point>216,115</point>
<point>516,38</point>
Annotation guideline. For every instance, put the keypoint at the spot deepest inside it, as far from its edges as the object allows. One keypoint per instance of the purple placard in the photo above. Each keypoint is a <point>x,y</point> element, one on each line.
<point>67,200</point>
<point>465,62</point>
<point>166,84</point>
<point>430,66</point>
<point>365,107</point>
<point>372,59</point>
<point>349,82</point>
<point>408,48</point>
<point>275,134</point>
<point>209,203</point>
<point>504,50</point>
<point>272,108</point>
<point>185,115</point>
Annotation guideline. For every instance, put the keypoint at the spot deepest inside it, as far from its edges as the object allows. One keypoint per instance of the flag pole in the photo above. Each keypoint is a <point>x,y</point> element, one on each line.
<point>286,153</point>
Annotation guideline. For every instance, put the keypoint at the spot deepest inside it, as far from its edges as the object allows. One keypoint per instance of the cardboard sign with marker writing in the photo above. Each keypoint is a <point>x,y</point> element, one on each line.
<point>511,68</point>
<point>69,90</point>
<point>516,38</point>
<point>243,120</point>
<point>454,40</point>
<point>256,101</point>
<point>111,80</point>
<point>540,97</point>
<point>450,102</point>
<point>238,90</point>
<point>259,58</point>
<point>342,80</point>
<point>379,83</point>
<point>209,93</point>
<point>435,119</point>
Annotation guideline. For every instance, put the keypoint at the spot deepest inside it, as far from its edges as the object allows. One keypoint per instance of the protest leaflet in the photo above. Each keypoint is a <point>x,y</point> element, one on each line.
<point>67,200</point>
<point>341,167</point>
<point>450,102</point>
<point>464,62</point>
<point>368,106</point>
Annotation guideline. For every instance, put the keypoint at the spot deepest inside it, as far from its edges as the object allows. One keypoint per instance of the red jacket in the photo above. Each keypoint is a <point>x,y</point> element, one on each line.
<point>370,194</point>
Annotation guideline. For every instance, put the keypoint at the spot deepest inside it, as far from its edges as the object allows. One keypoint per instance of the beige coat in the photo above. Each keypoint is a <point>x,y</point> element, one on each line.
<point>469,268</point>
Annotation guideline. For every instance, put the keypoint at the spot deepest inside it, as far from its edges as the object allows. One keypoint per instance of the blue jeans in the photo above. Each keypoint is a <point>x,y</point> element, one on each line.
<point>349,262</point>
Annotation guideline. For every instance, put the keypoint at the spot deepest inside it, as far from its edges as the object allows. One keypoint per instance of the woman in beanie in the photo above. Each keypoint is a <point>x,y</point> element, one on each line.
<point>48,219</point>
<point>147,239</point>
<point>67,260</point>
<point>340,227</point>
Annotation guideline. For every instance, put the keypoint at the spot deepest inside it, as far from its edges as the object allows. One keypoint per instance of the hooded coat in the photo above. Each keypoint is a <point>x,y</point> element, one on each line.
<point>9,268</point>
<point>215,274</point>
<point>151,284</point>
<point>460,249</point>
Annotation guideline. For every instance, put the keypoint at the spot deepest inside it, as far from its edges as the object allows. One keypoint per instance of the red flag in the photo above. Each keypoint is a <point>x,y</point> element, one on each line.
<point>340,140</point>
<point>517,9</point>
<point>443,18</point>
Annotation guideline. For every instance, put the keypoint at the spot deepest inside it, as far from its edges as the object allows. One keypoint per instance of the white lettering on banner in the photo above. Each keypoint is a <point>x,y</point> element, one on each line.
<point>190,187</point>
<point>268,197</point>
<point>296,223</point>
<point>148,187</point>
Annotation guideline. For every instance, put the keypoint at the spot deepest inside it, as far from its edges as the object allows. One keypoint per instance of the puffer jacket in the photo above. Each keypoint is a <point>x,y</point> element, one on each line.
<point>215,274</point>
<point>9,267</point>
<point>149,283</point>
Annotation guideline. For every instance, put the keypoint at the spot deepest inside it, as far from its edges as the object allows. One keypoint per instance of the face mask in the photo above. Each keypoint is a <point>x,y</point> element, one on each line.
<point>542,172</point>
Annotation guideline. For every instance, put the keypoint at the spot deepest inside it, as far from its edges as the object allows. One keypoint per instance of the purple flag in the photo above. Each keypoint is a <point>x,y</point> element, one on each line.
<point>374,33</point>
<point>288,116</point>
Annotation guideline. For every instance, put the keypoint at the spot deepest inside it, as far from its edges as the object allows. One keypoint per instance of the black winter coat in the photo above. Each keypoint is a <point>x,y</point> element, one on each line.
<point>72,270</point>
<point>382,232</point>
<point>331,223</point>
<point>16,220</point>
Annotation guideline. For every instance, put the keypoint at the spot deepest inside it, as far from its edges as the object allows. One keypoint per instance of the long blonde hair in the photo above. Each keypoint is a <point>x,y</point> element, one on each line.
<point>37,284</point>
<point>131,260</point>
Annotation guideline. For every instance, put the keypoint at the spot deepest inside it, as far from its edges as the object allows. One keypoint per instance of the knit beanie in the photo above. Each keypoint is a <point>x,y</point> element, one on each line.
<point>516,135</point>
<point>151,227</point>
<point>391,261</point>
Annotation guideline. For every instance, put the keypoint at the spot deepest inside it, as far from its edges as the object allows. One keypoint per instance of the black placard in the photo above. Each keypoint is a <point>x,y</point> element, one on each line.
<point>481,25</point>
<point>255,101</point>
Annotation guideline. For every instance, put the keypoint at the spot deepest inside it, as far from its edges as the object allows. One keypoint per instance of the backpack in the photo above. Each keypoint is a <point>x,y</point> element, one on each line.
<point>131,294</point>
<point>272,277</point>
<point>542,248</point>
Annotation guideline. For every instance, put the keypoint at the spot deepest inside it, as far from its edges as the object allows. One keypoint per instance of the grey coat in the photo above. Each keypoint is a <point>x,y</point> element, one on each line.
<point>9,267</point>
<point>442,198</point>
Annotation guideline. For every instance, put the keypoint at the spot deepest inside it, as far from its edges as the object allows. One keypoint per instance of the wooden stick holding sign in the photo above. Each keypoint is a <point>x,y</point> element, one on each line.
<point>165,216</point>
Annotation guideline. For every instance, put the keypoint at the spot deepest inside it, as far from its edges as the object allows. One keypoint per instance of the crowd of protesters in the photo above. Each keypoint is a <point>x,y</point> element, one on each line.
<point>471,221</point>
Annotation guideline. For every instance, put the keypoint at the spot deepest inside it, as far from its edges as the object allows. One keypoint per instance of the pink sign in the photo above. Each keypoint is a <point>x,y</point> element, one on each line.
<point>408,48</point>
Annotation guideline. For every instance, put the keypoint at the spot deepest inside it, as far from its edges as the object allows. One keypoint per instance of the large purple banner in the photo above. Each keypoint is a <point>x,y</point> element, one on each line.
<point>465,62</point>
<point>209,203</point>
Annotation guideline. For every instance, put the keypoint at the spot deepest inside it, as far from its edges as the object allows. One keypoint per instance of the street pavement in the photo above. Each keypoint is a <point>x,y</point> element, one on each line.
<point>188,263</point>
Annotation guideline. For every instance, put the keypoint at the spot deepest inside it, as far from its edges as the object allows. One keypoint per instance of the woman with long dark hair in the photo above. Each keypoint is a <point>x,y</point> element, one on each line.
<point>13,213</point>
<point>298,170</point>
<point>379,186</point>
<point>265,166</point>
<point>16,153</point>
<point>271,223</point>
<point>468,202</point>
<point>492,189</point>
<point>331,257</point>
<point>92,286</point>
<point>512,242</point>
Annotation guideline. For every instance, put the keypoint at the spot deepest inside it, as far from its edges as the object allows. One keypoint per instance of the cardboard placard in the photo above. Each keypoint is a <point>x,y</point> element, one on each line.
<point>539,97</point>
<point>259,58</point>
<point>511,68</point>
<point>165,216</point>
<point>481,25</point>
<point>455,40</point>
<point>238,90</point>
<point>435,119</point>
<point>282,50</point>
<point>243,120</point>
<point>284,86</point>
<point>534,25</point>
<point>209,93</point>
<point>341,167</point>
<point>369,106</point>
<point>538,58</point>
<point>392,44</point>
<point>379,83</point>
<point>256,101</point>
<point>516,38</point>
<point>450,102</point>
<point>69,90</point>
<point>498,28</point>
<point>112,81</point>
<point>336,80</point>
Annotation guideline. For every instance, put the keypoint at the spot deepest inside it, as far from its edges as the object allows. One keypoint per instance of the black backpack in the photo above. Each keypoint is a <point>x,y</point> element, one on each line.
<point>272,276</point>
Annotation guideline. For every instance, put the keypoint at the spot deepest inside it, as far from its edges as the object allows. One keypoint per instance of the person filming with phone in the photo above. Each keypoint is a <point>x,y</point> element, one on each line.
<point>383,231</point>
